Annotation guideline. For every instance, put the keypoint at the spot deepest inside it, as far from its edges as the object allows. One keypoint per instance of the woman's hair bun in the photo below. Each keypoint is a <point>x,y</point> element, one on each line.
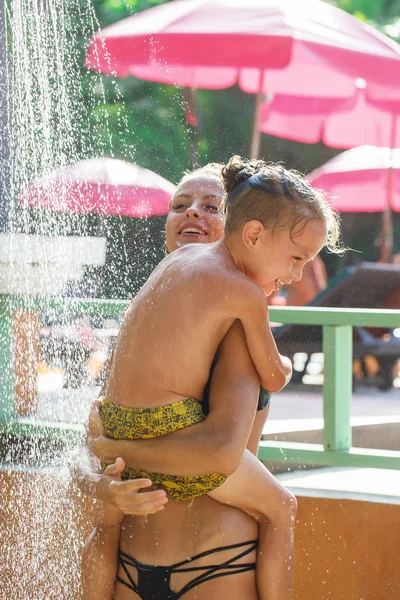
<point>238,170</point>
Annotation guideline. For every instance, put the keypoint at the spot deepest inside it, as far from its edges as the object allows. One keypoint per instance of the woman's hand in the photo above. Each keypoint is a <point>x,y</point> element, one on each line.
<point>126,495</point>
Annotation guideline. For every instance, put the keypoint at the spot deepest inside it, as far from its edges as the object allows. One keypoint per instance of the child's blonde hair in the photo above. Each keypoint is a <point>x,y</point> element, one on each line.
<point>276,197</point>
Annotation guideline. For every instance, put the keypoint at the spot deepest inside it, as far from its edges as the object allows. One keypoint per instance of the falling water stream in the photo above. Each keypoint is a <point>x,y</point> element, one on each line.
<point>46,104</point>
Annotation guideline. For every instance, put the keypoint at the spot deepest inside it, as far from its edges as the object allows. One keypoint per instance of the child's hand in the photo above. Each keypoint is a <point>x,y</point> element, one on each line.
<point>126,496</point>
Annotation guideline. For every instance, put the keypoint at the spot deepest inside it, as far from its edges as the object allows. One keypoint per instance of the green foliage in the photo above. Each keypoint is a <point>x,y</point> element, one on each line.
<point>380,11</point>
<point>127,118</point>
<point>382,14</point>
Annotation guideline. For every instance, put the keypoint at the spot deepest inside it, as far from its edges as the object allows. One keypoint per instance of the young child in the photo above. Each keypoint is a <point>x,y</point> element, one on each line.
<point>275,224</point>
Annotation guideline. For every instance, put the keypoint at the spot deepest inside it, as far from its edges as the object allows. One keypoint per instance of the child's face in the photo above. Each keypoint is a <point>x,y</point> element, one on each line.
<point>196,212</point>
<point>281,254</point>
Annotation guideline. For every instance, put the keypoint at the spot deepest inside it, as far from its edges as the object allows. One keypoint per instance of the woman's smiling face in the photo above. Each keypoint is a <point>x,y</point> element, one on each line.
<point>196,212</point>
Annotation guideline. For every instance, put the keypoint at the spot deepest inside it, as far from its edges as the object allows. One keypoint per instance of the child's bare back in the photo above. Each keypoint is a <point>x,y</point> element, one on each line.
<point>177,320</point>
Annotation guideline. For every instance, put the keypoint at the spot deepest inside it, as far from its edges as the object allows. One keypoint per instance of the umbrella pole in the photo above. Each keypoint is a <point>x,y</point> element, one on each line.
<point>387,218</point>
<point>256,134</point>
<point>193,118</point>
<point>387,223</point>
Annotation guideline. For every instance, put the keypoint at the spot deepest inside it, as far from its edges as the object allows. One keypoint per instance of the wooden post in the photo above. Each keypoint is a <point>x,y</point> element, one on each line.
<point>256,133</point>
<point>26,360</point>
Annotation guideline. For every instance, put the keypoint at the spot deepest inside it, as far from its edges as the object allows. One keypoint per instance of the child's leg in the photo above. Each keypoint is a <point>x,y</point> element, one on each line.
<point>253,489</point>
<point>100,556</point>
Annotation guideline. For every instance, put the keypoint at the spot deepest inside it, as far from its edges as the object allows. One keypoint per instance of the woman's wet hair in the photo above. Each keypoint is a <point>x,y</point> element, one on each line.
<point>211,170</point>
<point>277,197</point>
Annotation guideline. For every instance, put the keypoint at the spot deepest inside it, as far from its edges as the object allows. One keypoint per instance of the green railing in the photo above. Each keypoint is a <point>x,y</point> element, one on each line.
<point>337,345</point>
<point>337,325</point>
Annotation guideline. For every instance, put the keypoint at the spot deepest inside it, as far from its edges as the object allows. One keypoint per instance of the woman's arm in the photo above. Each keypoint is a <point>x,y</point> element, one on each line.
<point>101,547</point>
<point>100,562</point>
<point>216,444</point>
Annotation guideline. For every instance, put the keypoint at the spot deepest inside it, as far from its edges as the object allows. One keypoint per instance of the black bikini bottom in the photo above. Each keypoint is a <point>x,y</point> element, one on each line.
<point>154,582</point>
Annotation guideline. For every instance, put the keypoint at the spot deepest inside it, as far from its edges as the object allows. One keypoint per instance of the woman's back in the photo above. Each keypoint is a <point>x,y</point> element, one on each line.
<point>183,530</point>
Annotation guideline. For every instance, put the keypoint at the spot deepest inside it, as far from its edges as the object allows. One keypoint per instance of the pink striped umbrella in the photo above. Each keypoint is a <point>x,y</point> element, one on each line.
<point>103,186</point>
<point>357,179</point>
<point>337,122</point>
<point>262,45</point>
<point>364,179</point>
<point>367,182</point>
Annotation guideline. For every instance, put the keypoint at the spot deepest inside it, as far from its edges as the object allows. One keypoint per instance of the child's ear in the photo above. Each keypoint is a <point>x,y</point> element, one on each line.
<point>251,232</point>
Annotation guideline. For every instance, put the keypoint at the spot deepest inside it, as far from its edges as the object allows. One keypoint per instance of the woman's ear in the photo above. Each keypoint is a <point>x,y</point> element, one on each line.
<point>251,232</point>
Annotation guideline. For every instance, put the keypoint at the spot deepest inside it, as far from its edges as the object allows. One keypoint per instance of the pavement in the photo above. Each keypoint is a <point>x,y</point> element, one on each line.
<point>300,408</point>
<point>295,403</point>
<point>305,402</point>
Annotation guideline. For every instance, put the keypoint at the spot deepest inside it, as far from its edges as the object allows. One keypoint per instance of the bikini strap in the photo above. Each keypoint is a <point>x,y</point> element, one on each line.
<point>214,571</point>
<point>211,571</point>
<point>129,560</point>
<point>252,543</point>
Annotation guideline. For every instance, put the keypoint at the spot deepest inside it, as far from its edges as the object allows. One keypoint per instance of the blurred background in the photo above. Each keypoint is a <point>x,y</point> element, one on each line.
<point>148,124</point>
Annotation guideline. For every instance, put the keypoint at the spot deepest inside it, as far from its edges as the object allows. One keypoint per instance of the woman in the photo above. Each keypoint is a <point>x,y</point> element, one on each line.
<point>183,529</point>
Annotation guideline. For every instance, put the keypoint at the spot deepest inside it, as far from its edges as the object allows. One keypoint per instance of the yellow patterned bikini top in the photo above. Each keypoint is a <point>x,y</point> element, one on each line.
<point>122,422</point>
